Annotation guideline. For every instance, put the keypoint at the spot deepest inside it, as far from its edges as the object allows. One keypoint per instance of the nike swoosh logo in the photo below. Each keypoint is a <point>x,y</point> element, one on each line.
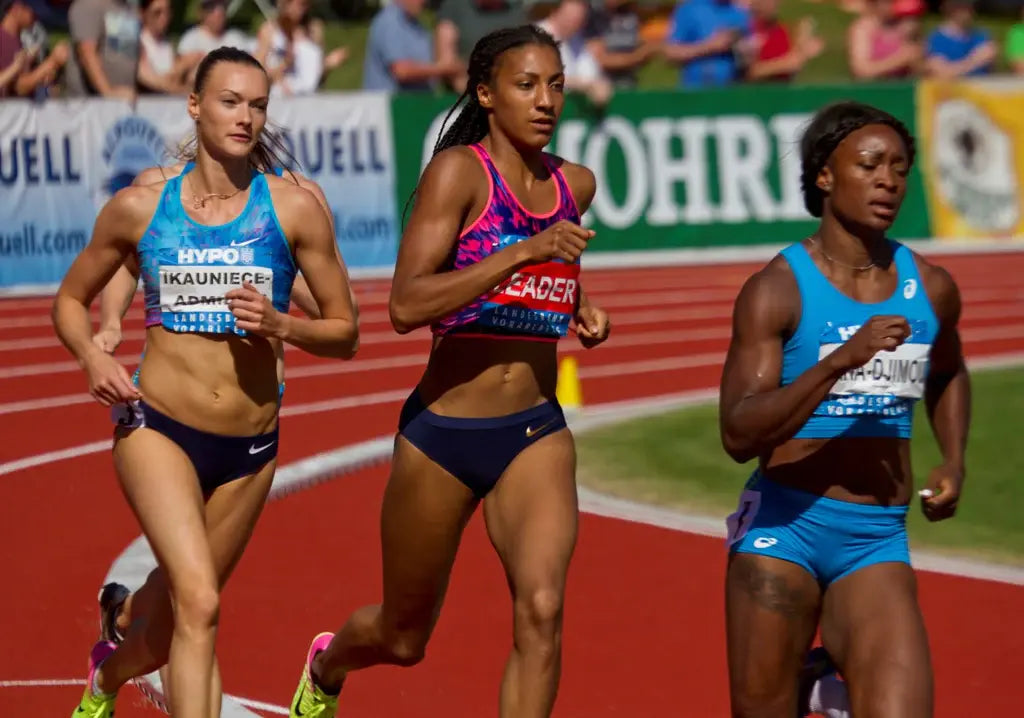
<point>254,450</point>
<point>532,432</point>
<point>248,241</point>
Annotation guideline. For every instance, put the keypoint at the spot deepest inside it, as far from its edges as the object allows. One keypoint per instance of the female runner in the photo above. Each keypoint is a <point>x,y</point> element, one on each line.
<point>490,259</point>
<point>196,443</point>
<point>834,342</point>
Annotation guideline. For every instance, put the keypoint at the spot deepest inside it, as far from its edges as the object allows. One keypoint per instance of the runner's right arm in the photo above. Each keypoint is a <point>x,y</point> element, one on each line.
<point>115,233</point>
<point>755,413</point>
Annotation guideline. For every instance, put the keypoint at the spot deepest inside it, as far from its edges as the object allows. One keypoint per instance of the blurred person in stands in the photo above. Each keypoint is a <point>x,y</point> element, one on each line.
<point>212,31</point>
<point>291,47</point>
<point>1015,46</point>
<point>24,72</point>
<point>400,51</point>
<point>461,24</point>
<point>771,54</point>
<point>957,47</point>
<point>704,39</point>
<point>105,49</point>
<point>615,41</point>
<point>583,73</point>
<point>196,442</point>
<point>882,43</point>
<point>161,69</point>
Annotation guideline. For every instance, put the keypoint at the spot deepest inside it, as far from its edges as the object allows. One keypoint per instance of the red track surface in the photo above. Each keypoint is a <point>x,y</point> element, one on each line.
<point>644,622</point>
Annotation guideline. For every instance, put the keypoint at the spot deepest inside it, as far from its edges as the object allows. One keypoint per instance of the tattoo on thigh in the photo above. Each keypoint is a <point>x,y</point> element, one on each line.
<point>769,590</point>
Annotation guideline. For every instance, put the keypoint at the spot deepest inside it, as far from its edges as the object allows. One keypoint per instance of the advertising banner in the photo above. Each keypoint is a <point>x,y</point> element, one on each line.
<point>685,169</point>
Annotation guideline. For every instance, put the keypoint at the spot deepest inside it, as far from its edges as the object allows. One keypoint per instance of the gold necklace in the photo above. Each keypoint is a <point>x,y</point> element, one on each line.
<point>199,201</point>
<point>854,267</point>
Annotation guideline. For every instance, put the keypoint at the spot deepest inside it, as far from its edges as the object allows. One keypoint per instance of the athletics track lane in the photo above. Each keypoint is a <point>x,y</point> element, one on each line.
<point>643,626</point>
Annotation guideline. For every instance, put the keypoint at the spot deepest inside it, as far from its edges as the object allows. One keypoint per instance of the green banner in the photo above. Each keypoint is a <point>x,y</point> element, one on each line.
<point>686,169</point>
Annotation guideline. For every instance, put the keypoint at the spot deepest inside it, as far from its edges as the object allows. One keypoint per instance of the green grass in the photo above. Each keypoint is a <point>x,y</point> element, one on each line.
<point>676,460</point>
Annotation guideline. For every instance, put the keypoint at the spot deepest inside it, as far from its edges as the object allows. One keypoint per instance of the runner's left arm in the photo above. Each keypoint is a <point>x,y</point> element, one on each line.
<point>947,397</point>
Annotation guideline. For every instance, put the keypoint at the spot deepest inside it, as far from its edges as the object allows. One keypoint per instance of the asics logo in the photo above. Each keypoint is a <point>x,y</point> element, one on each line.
<point>765,542</point>
<point>255,450</point>
<point>248,241</point>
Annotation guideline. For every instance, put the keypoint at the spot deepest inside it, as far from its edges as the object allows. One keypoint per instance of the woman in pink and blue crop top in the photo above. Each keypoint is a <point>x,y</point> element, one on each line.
<point>489,260</point>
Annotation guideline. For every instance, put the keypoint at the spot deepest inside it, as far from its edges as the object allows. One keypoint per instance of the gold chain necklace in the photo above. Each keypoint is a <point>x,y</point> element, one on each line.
<point>199,201</point>
<point>854,267</point>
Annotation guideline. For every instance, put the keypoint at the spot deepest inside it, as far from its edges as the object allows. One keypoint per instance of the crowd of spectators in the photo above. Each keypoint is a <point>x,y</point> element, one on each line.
<point>121,48</point>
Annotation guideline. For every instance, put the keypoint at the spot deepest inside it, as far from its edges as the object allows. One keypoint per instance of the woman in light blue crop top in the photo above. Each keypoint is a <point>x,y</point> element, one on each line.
<point>835,341</point>
<point>196,442</point>
<point>117,296</point>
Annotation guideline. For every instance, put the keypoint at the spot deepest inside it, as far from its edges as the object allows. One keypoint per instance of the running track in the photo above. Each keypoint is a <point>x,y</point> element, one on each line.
<point>643,635</point>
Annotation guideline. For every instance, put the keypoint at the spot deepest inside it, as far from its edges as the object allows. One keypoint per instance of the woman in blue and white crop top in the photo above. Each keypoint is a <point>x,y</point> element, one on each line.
<point>116,297</point>
<point>834,343</point>
<point>195,446</point>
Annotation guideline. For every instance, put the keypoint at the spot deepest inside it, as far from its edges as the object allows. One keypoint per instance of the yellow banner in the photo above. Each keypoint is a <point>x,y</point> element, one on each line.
<point>972,153</point>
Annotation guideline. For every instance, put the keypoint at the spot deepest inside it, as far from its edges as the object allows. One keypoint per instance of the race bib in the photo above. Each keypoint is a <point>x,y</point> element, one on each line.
<point>739,522</point>
<point>900,373</point>
<point>128,415</point>
<point>192,298</point>
<point>539,299</point>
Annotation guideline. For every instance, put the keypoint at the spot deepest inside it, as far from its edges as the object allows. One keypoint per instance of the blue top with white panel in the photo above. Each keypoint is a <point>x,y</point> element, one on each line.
<point>188,267</point>
<point>877,399</point>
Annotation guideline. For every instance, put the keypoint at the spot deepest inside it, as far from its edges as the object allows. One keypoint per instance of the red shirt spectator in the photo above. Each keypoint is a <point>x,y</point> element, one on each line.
<point>772,53</point>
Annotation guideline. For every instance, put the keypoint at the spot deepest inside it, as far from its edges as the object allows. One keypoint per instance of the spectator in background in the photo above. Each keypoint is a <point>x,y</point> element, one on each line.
<point>21,74</point>
<point>614,40</point>
<point>160,67</point>
<point>882,44</point>
<point>958,48</point>
<point>460,23</point>
<point>291,48</point>
<point>704,39</point>
<point>400,51</point>
<point>582,72</point>
<point>771,53</point>
<point>1014,47</point>
<point>105,49</point>
<point>213,32</point>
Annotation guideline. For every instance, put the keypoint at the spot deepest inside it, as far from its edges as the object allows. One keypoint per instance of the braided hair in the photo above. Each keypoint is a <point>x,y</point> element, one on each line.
<point>471,124</point>
<point>270,151</point>
<point>830,126</point>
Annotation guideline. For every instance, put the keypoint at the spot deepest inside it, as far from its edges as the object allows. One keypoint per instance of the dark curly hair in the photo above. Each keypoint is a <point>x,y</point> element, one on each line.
<point>830,126</point>
<point>471,124</point>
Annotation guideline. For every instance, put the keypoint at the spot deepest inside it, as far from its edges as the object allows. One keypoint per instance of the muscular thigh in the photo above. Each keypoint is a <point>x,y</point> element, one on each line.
<point>873,627</point>
<point>772,610</point>
<point>162,488</point>
<point>232,512</point>
<point>424,512</point>
<point>532,512</point>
